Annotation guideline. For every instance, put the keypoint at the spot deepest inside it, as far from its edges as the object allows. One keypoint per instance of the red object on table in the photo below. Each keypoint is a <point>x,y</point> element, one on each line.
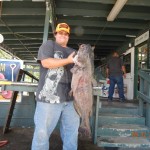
<point>3,143</point>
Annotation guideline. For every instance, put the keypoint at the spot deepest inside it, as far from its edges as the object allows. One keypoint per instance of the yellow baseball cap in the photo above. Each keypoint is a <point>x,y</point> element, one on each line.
<point>63,27</point>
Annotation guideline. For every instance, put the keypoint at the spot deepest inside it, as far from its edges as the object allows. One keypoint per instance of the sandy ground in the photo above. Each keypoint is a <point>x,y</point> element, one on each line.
<point>21,138</point>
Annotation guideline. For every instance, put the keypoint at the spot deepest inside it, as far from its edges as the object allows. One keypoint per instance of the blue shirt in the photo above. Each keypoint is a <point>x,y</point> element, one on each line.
<point>115,66</point>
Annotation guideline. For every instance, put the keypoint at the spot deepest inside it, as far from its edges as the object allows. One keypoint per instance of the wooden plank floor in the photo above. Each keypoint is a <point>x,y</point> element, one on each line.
<point>21,138</point>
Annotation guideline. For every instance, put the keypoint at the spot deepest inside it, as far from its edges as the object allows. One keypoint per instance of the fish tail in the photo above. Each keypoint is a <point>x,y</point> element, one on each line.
<point>84,132</point>
<point>84,129</point>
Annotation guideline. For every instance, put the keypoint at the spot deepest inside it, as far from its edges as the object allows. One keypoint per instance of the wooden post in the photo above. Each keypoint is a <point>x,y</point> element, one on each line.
<point>96,119</point>
<point>148,109</point>
<point>12,105</point>
<point>148,115</point>
<point>141,103</point>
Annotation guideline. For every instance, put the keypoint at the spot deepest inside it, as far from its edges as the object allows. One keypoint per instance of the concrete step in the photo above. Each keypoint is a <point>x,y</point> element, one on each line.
<point>123,130</point>
<point>124,142</point>
<point>105,118</point>
<point>133,111</point>
<point>117,104</point>
<point>132,149</point>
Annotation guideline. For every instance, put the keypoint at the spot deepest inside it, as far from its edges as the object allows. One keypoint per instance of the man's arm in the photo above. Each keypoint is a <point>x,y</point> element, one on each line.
<point>55,63</point>
<point>124,71</point>
<point>107,72</point>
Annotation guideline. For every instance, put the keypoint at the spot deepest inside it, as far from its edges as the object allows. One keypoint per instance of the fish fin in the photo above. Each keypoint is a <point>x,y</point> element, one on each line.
<point>77,108</point>
<point>93,47</point>
<point>79,64</point>
<point>94,82</point>
<point>72,70</point>
<point>90,114</point>
<point>71,93</point>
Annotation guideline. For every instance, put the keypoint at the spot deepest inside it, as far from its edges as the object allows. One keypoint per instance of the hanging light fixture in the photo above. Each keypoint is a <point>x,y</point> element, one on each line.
<point>116,9</point>
<point>1,38</point>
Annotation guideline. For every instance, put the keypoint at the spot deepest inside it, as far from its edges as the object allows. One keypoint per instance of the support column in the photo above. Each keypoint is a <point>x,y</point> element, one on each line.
<point>148,115</point>
<point>46,26</point>
<point>49,18</point>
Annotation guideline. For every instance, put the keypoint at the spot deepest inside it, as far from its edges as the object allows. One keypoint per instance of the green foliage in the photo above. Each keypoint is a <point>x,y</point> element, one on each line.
<point>4,55</point>
<point>33,69</point>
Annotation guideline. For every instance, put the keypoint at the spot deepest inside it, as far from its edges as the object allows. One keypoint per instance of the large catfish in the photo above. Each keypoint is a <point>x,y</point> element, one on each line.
<point>81,85</point>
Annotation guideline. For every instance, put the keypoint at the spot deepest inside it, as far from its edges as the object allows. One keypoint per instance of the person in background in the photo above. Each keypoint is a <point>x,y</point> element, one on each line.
<point>53,100</point>
<point>115,71</point>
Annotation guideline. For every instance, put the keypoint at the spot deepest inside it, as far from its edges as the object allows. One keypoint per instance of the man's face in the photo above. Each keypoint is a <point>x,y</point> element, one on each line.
<point>115,54</point>
<point>62,38</point>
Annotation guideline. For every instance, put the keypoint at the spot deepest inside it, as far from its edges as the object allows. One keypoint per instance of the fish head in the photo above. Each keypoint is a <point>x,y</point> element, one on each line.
<point>85,53</point>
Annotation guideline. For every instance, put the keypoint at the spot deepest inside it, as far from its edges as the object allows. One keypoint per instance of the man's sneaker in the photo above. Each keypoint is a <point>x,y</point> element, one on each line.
<point>122,100</point>
<point>110,100</point>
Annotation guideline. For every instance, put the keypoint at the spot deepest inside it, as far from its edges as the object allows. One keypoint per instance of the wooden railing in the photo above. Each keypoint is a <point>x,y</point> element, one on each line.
<point>144,95</point>
<point>96,106</point>
<point>16,87</point>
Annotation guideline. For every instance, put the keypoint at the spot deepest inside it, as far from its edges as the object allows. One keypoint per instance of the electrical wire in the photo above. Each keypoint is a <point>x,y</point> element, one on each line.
<point>100,34</point>
<point>26,36</point>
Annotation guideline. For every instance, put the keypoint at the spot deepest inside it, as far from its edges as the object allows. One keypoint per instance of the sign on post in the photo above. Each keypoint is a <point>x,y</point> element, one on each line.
<point>8,71</point>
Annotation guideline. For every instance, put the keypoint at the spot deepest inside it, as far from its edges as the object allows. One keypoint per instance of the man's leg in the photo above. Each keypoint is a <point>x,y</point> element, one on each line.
<point>111,88</point>
<point>120,87</point>
<point>45,118</point>
<point>69,127</point>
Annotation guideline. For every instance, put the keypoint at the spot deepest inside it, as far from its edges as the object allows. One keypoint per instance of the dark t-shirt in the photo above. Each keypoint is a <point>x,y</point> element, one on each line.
<point>115,66</point>
<point>54,84</point>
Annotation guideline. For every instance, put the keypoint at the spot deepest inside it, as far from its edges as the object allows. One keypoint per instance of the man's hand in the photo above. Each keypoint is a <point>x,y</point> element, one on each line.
<point>75,59</point>
<point>124,71</point>
<point>124,75</point>
<point>71,57</point>
<point>107,73</point>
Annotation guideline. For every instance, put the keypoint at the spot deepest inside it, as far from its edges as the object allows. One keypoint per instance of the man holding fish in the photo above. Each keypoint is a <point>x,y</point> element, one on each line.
<point>53,100</point>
